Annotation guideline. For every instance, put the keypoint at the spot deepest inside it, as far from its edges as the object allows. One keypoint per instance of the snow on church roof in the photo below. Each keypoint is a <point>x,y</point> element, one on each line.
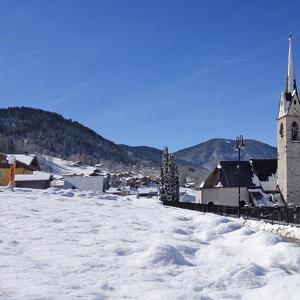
<point>260,198</point>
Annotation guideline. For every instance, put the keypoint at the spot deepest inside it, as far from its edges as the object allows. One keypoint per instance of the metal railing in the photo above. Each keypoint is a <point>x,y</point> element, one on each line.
<point>279,215</point>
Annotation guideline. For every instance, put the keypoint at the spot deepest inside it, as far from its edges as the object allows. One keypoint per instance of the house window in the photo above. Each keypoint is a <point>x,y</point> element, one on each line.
<point>295,132</point>
<point>281,131</point>
<point>1,173</point>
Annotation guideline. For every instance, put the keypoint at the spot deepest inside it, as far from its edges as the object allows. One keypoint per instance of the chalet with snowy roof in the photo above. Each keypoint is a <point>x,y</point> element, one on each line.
<point>29,160</point>
<point>25,164</point>
<point>264,182</point>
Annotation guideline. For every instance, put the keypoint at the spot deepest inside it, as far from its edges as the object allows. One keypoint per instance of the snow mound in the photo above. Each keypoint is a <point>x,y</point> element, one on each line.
<point>224,226</point>
<point>248,277</point>
<point>164,255</point>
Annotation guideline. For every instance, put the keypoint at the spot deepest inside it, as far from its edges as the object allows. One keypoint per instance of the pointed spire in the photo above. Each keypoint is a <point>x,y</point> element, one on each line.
<point>290,79</point>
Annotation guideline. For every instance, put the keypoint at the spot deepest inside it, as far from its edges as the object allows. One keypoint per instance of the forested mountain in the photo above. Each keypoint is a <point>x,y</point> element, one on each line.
<point>143,153</point>
<point>33,130</point>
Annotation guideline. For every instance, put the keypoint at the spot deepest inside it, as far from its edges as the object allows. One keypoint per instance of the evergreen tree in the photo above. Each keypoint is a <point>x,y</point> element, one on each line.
<point>169,181</point>
<point>163,174</point>
<point>114,181</point>
<point>168,185</point>
<point>106,184</point>
<point>174,179</point>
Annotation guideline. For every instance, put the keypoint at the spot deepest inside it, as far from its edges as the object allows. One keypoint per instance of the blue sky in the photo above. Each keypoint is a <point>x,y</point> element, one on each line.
<point>153,72</point>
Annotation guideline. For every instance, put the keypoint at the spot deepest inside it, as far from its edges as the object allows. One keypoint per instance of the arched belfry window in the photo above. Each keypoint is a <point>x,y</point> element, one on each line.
<point>281,130</point>
<point>295,132</point>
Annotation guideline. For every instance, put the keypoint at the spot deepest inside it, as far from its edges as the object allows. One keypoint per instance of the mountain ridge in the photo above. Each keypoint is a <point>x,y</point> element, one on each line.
<point>35,130</point>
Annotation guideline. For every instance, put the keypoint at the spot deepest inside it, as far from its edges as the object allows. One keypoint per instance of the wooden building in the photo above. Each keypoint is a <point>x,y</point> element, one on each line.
<point>37,180</point>
<point>25,164</point>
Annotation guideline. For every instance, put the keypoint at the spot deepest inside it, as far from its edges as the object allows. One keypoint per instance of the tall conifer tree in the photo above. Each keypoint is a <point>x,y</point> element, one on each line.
<point>169,182</point>
<point>163,174</point>
<point>174,178</point>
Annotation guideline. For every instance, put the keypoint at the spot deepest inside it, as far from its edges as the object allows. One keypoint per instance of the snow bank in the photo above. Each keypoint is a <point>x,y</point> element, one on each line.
<point>57,244</point>
<point>287,231</point>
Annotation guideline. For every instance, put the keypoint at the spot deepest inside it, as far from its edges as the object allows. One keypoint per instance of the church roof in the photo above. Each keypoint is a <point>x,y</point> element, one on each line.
<point>253,173</point>
<point>264,168</point>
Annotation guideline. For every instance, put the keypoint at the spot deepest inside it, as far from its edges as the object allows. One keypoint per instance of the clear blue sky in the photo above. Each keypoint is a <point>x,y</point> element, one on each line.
<point>151,72</point>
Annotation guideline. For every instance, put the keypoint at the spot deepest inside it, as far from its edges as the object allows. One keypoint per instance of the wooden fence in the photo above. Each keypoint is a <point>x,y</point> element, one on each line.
<point>272,215</point>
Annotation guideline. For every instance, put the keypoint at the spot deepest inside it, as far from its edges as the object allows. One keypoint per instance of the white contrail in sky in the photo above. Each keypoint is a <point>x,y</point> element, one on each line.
<point>73,93</point>
<point>248,58</point>
<point>215,62</point>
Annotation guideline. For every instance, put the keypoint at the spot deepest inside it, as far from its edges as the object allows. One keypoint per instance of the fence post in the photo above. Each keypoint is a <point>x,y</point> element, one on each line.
<point>272,211</point>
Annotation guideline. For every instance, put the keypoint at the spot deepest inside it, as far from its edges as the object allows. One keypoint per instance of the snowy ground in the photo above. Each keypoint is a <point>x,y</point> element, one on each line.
<point>70,245</point>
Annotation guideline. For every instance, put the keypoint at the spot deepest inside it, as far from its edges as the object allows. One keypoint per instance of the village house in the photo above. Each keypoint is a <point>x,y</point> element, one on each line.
<point>25,164</point>
<point>86,183</point>
<point>274,182</point>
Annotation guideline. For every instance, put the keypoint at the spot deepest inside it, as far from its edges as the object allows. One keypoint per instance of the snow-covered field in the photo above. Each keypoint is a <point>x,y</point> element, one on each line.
<point>83,245</point>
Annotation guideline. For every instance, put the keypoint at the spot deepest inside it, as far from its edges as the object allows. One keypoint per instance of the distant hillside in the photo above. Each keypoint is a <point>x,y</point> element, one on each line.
<point>34,130</point>
<point>209,153</point>
<point>143,153</point>
<point>196,162</point>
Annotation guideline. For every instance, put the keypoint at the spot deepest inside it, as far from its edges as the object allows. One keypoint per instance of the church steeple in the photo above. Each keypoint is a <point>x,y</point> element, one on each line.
<point>290,78</point>
<point>288,137</point>
<point>290,91</point>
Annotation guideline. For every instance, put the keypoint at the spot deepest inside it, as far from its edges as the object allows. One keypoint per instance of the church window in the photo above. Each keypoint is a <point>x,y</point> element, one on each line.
<point>281,130</point>
<point>295,132</point>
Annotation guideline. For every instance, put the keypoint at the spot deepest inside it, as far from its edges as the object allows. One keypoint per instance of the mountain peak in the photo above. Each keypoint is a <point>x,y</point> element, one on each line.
<point>208,154</point>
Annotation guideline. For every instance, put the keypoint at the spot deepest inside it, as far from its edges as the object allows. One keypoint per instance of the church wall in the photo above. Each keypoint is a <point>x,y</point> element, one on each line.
<point>289,162</point>
<point>222,196</point>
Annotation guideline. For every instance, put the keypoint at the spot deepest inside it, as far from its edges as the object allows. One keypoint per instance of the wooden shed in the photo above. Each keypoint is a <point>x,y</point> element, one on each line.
<point>37,180</point>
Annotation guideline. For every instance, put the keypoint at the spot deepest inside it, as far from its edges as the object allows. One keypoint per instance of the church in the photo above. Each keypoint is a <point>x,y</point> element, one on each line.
<point>264,182</point>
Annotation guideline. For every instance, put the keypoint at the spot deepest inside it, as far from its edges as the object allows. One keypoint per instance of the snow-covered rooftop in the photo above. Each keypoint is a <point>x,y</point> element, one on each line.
<point>23,158</point>
<point>36,176</point>
<point>260,198</point>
